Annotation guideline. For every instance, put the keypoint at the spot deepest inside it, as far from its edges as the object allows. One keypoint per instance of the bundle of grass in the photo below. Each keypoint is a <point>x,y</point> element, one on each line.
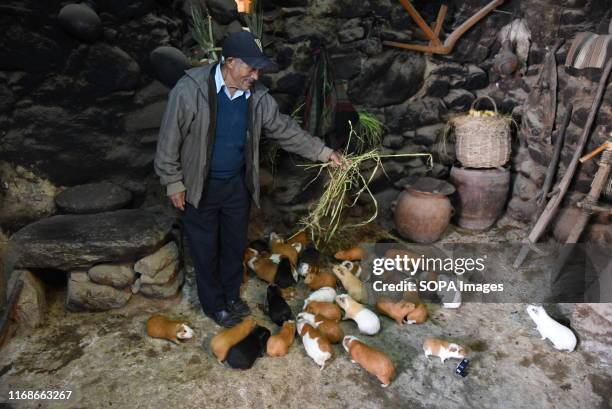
<point>203,35</point>
<point>254,20</point>
<point>343,188</point>
<point>370,131</point>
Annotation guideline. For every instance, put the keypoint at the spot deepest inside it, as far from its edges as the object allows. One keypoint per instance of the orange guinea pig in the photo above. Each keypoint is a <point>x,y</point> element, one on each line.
<point>354,253</point>
<point>265,268</point>
<point>372,360</point>
<point>327,310</point>
<point>159,326</point>
<point>227,338</point>
<point>278,344</point>
<point>291,251</point>
<point>329,328</point>
<point>300,237</point>
<point>319,280</point>
<point>403,312</point>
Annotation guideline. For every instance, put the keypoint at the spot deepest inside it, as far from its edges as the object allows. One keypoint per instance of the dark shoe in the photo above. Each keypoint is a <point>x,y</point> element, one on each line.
<point>225,318</point>
<point>238,307</point>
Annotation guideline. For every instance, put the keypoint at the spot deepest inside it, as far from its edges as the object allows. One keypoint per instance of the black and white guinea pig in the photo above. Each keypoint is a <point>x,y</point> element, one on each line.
<point>244,354</point>
<point>286,276</point>
<point>277,308</point>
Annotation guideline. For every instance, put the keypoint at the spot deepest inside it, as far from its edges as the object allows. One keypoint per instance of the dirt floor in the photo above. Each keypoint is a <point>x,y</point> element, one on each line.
<point>107,360</point>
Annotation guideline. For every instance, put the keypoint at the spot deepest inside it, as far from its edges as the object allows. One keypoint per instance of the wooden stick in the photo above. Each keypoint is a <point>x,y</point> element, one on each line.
<point>439,21</point>
<point>420,22</point>
<point>589,156</point>
<point>552,206</point>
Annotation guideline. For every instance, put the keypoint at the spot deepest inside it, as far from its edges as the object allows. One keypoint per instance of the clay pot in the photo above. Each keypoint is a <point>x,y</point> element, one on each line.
<point>423,210</point>
<point>481,196</point>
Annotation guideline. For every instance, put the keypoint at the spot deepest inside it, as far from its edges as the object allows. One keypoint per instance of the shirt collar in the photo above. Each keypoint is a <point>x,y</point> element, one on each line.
<point>220,83</point>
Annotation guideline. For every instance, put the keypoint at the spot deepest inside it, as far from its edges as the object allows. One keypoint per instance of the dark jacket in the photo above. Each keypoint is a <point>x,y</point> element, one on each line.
<point>186,137</point>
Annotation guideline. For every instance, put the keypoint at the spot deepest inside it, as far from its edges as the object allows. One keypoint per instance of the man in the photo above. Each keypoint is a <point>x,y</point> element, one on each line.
<point>208,159</point>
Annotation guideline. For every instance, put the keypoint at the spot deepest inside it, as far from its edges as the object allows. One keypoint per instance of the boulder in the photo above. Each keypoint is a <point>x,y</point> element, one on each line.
<point>116,275</point>
<point>22,49</point>
<point>153,263</point>
<point>223,11</point>
<point>525,188</point>
<point>165,290</point>
<point>86,295</point>
<point>148,117</point>
<point>169,64</point>
<point>428,135</point>
<point>292,83</point>
<point>7,99</point>
<point>521,210</point>
<point>346,66</point>
<point>459,99</point>
<point>128,9</point>
<point>387,79</point>
<point>351,34</point>
<point>411,115</point>
<point>93,198</point>
<point>163,276</point>
<point>68,242</point>
<point>80,21</point>
<point>108,68</point>
<point>30,309</point>
<point>393,141</point>
<point>593,323</point>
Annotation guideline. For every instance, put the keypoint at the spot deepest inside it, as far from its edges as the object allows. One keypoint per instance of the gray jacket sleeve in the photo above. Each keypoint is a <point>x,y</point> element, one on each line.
<point>175,124</point>
<point>288,134</point>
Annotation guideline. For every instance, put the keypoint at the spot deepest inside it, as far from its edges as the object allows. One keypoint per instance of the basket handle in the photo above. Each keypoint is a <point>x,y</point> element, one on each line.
<point>489,98</point>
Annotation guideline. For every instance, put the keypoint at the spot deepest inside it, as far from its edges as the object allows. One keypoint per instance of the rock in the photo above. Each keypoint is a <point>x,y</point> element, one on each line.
<point>384,180</point>
<point>533,170</point>
<point>593,323</point>
<point>93,198</point>
<point>459,99</point>
<point>300,28</point>
<point>110,69</point>
<point>388,79</point>
<point>393,141</point>
<point>599,234</point>
<point>165,290</point>
<point>80,21</point>
<point>385,214</point>
<point>346,66</point>
<point>7,99</point>
<point>86,295</point>
<point>564,222</point>
<point>475,78</point>
<point>30,309</point>
<point>153,92</point>
<point>116,275</point>
<point>525,188</point>
<point>521,210</point>
<point>292,83</point>
<point>224,11</point>
<point>371,46</point>
<point>153,263</point>
<point>163,276</point>
<point>428,135</point>
<point>128,9</point>
<point>148,117</point>
<point>22,49</point>
<point>411,115</point>
<point>169,64</point>
<point>68,242</point>
<point>340,8</point>
<point>351,34</point>
<point>436,88</point>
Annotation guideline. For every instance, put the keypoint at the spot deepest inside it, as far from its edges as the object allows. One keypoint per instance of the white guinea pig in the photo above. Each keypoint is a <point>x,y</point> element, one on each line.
<point>367,322</point>
<point>561,337</point>
<point>326,294</point>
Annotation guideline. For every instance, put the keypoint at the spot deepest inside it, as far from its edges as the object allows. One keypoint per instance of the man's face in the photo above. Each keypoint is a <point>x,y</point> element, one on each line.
<point>242,74</point>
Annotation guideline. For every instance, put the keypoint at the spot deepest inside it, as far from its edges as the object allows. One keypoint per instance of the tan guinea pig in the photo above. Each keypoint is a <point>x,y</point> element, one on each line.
<point>319,280</point>
<point>326,309</point>
<point>372,360</point>
<point>227,338</point>
<point>329,328</point>
<point>159,326</point>
<point>352,285</point>
<point>278,344</point>
<point>443,349</point>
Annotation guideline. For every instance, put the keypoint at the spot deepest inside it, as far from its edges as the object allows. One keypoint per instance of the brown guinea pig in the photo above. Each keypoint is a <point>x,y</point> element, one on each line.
<point>403,312</point>
<point>372,360</point>
<point>291,251</point>
<point>329,328</point>
<point>159,326</point>
<point>278,344</point>
<point>316,345</point>
<point>354,253</point>
<point>300,237</point>
<point>443,349</point>
<point>327,310</point>
<point>227,338</point>
<point>319,280</point>
<point>418,315</point>
<point>264,267</point>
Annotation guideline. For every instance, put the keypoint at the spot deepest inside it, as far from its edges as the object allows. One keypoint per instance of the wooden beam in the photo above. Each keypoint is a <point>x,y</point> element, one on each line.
<point>420,22</point>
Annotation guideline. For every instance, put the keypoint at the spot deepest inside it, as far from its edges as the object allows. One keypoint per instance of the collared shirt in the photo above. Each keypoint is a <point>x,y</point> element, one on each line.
<point>221,85</point>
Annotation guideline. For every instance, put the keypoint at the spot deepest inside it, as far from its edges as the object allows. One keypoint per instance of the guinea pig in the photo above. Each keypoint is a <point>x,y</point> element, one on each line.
<point>397,310</point>
<point>276,306</point>
<point>443,349</point>
<point>227,338</point>
<point>291,251</point>
<point>316,345</point>
<point>351,284</point>
<point>353,267</point>
<point>561,337</point>
<point>260,245</point>
<point>286,275</point>
<point>372,360</point>
<point>243,354</point>
<point>323,278</point>
<point>329,328</point>
<point>326,294</point>
<point>159,326</point>
<point>300,237</point>
<point>354,253</point>
<point>325,309</point>
<point>367,322</point>
<point>278,345</point>
<point>264,267</point>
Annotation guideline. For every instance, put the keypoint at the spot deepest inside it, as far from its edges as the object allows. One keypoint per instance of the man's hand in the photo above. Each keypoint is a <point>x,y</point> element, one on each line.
<point>336,159</point>
<point>178,200</point>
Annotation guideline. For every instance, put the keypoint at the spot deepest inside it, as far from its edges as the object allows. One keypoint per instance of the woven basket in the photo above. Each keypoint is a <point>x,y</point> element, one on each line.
<point>482,141</point>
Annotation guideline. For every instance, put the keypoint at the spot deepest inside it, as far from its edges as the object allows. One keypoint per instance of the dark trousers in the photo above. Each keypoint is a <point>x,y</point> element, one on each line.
<point>217,236</point>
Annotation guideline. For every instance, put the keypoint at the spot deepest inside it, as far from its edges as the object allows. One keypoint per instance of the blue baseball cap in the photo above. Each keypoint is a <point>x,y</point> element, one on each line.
<point>244,45</point>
